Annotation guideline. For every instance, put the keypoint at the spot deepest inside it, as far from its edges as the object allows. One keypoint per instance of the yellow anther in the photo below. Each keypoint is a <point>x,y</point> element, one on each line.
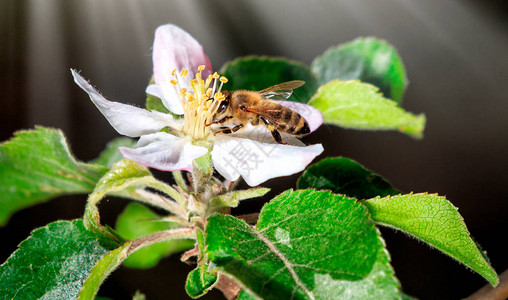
<point>215,75</point>
<point>193,84</point>
<point>208,92</point>
<point>183,91</point>
<point>219,97</point>
<point>173,72</point>
<point>184,73</point>
<point>174,82</point>
<point>201,68</point>
<point>223,79</point>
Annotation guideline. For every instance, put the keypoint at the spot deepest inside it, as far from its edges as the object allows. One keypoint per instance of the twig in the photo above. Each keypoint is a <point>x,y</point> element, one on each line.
<point>228,287</point>
<point>188,254</point>
<point>500,292</point>
<point>249,218</point>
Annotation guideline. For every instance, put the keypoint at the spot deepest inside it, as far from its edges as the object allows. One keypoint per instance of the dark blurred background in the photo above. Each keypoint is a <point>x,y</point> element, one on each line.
<point>456,57</point>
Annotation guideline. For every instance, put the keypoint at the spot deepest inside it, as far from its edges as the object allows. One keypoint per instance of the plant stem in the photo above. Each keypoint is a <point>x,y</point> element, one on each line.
<point>488,292</point>
<point>177,175</point>
<point>162,236</point>
<point>161,186</point>
<point>162,202</point>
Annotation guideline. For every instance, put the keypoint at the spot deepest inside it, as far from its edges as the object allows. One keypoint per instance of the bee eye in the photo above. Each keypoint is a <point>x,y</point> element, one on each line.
<point>223,105</point>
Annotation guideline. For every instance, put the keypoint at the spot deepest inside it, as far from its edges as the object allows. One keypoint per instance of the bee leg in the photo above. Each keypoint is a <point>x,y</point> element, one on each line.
<point>219,121</point>
<point>276,136</point>
<point>227,130</point>
<point>275,133</point>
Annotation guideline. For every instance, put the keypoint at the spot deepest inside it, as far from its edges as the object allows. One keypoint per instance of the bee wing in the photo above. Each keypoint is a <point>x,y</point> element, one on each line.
<point>282,95</point>
<point>281,91</point>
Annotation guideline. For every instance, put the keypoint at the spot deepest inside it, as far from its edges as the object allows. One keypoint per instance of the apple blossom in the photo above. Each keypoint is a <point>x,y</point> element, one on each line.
<point>186,84</point>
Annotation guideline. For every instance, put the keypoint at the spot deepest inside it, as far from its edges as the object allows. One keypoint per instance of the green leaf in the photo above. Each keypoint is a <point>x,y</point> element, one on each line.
<point>138,220</point>
<point>37,165</point>
<point>407,297</point>
<point>300,235</point>
<point>111,154</point>
<point>121,173</point>
<point>381,283</point>
<point>255,73</point>
<point>245,295</point>
<point>352,104</point>
<point>199,282</point>
<point>121,180</point>
<point>123,176</point>
<point>345,176</point>
<point>139,296</point>
<point>102,269</point>
<point>204,163</point>
<point>54,262</point>
<point>232,199</point>
<point>434,220</point>
<point>366,59</point>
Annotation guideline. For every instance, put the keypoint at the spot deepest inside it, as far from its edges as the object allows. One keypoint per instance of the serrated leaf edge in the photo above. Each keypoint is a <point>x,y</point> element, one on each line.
<point>442,198</point>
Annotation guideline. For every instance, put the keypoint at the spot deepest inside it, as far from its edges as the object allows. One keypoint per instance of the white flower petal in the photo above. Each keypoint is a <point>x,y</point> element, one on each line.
<point>257,162</point>
<point>164,152</point>
<point>311,114</point>
<point>169,98</point>
<point>174,48</point>
<point>154,90</point>
<point>261,134</point>
<point>168,95</point>
<point>126,119</point>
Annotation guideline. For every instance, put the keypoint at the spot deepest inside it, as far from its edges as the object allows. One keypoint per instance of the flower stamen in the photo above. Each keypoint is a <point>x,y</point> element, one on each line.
<point>222,81</point>
<point>200,102</point>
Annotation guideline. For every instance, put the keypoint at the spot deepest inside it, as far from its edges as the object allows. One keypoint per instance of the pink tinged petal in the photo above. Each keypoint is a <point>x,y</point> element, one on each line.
<point>257,162</point>
<point>311,114</point>
<point>174,48</point>
<point>126,119</point>
<point>164,152</point>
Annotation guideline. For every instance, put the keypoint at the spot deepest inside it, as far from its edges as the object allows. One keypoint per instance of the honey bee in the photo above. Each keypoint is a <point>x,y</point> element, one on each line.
<point>260,108</point>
